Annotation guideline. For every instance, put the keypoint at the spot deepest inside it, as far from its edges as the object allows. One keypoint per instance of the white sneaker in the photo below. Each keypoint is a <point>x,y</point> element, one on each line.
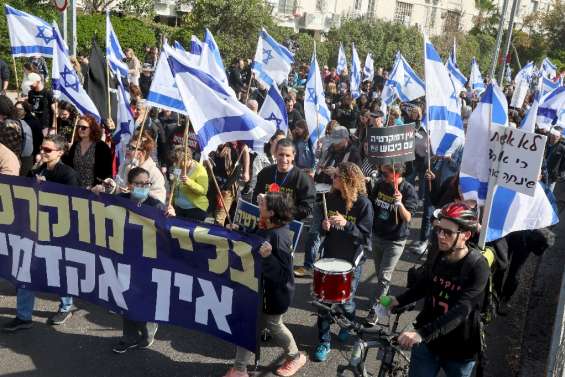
<point>419,247</point>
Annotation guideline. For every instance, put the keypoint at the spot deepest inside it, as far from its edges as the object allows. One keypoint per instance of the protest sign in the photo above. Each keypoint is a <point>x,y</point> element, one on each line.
<point>129,258</point>
<point>516,157</point>
<point>391,144</point>
<point>247,215</point>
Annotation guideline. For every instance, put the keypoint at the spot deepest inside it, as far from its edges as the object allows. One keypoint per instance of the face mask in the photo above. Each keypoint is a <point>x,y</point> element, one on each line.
<point>140,193</point>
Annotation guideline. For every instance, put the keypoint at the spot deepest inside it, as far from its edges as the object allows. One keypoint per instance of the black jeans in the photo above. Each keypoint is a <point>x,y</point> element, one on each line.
<point>192,213</point>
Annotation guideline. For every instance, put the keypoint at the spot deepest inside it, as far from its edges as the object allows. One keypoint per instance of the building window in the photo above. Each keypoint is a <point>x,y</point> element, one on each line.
<point>452,21</point>
<point>286,6</point>
<point>535,6</point>
<point>403,12</point>
<point>320,5</point>
<point>358,4</point>
<point>371,8</point>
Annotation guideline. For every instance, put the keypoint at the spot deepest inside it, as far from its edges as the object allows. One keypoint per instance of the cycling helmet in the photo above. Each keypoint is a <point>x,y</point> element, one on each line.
<point>461,214</point>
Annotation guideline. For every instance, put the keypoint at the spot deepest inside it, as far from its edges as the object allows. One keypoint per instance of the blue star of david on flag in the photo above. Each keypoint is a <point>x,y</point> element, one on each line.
<point>312,95</point>
<point>267,55</point>
<point>407,79</point>
<point>273,117</point>
<point>42,35</point>
<point>70,79</point>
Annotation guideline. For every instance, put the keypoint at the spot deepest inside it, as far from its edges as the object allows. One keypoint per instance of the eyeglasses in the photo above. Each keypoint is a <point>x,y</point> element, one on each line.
<point>446,232</point>
<point>141,184</point>
<point>83,128</point>
<point>47,150</point>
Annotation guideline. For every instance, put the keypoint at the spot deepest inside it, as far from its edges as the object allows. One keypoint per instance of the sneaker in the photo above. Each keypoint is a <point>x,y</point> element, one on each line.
<point>60,317</point>
<point>321,352</point>
<point>236,373</point>
<point>343,335</point>
<point>146,343</point>
<point>302,271</point>
<point>419,247</point>
<point>17,324</point>
<point>372,318</point>
<point>291,366</point>
<point>123,347</point>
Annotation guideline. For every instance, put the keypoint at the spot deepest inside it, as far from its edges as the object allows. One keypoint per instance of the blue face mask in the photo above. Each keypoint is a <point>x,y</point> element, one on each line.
<point>140,193</point>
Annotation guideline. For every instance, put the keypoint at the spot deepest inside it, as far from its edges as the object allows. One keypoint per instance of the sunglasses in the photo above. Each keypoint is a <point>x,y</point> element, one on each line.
<point>83,128</point>
<point>131,148</point>
<point>446,232</point>
<point>48,150</point>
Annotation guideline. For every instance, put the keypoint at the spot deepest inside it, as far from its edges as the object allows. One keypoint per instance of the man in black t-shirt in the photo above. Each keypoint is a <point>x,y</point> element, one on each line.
<point>41,101</point>
<point>395,202</point>
<point>447,331</point>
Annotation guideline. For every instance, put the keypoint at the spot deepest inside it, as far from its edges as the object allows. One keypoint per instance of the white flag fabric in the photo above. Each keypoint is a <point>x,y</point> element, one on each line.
<point>403,83</point>
<point>368,68</point>
<point>164,92</point>
<point>274,109</point>
<point>66,83</point>
<point>29,35</point>
<point>212,58</point>
<point>443,113</point>
<point>316,110</point>
<point>529,121</point>
<point>125,126</point>
<point>114,52</point>
<point>551,109</point>
<point>548,85</point>
<point>272,62</point>
<point>475,163</point>
<point>525,73</point>
<point>216,115</point>
<point>457,77</point>
<point>548,68</point>
<point>476,79</point>
<point>341,60</point>
<point>355,82</point>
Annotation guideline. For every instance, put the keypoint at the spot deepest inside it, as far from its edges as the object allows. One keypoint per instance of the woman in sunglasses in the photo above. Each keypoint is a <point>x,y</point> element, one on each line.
<point>89,155</point>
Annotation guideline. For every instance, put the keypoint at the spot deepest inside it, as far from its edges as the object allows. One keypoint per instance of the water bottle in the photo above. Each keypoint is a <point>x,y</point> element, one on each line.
<point>382,310</point>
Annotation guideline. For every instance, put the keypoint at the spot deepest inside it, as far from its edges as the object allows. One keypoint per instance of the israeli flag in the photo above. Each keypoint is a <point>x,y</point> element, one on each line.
<point>274,109</point>
<point>341,60</point>
<point>316,110</point>
<point>125,124</point>
<point>196,46</point>
<point>217,116</point>
<point>368,69</point>
<point>492,109</point>
<point>272,62</point>
<point>164,93</point>
<point>476,79</point>
<point>355,82</point>
<point>443,113</point>
<point>179,46</point>
<point>114,52</point>
<point>29,35</point>
<point>512,211</point>
<point>529,121</point>
<point>548,85</point>
<point>551,109</point>
<point>548,68</point>
<point>403,83</point>
<point>526,73</point>
<point>66,84</point>
<point>457,77</point>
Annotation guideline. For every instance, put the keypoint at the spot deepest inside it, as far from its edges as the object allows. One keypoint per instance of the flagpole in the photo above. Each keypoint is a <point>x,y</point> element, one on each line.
<point>219,191</point>
<point>428,131</point>
<point>108,87</point>
<point>74,130</point>
<point>249,86</point>
<point>16,74</point>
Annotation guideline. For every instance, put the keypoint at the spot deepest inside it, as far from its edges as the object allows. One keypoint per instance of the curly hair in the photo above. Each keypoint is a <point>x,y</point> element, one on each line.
<point>95,128</point>
<point>353,182</point>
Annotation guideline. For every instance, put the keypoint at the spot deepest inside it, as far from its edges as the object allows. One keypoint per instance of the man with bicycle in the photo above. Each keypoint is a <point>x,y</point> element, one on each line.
<point>447,331</point>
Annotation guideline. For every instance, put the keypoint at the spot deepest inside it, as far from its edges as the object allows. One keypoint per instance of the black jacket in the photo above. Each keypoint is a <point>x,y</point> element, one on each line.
<point>277,277</point>
<point>150,201</point>
<point>449,321</point>
<point>102,159</point>
<point>62,174</point>
<point>347,243</point>
<point>382,196</point>
<point>556,162</point>
<point>295,183</point>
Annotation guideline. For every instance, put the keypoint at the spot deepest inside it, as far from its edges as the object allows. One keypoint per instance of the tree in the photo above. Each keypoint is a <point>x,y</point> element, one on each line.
<point>93,6</point>
<point>143,8</point>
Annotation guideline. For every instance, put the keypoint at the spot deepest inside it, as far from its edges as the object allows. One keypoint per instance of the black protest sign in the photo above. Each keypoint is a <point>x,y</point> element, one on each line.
<point>391,144</point>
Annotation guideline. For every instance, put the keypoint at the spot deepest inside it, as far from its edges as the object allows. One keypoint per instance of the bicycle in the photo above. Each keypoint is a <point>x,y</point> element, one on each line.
<point>371,337</point>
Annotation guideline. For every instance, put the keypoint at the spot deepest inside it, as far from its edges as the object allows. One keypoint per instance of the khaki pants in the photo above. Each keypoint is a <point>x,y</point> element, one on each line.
<point>220,215</point>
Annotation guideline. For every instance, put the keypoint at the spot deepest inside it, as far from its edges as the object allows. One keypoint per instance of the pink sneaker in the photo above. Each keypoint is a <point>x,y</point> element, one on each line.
<point>236,373</point>
<point>291,366</point>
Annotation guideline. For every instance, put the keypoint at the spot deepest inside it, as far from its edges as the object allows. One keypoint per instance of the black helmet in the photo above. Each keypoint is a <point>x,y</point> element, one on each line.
<point>461,214</point>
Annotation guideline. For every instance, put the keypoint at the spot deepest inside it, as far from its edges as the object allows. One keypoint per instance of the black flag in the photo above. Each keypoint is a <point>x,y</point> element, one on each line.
<point>96,82</point>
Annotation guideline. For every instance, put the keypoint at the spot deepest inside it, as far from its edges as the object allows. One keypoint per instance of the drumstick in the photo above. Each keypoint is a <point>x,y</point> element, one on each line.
<point>325,206</point>
<point>395,191</point>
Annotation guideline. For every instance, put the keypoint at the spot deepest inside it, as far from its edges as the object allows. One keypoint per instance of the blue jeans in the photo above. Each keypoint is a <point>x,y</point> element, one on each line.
<point>324,322</point>
<point>423,363</point>
<point>313,239</point>
<point>25,300</point>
